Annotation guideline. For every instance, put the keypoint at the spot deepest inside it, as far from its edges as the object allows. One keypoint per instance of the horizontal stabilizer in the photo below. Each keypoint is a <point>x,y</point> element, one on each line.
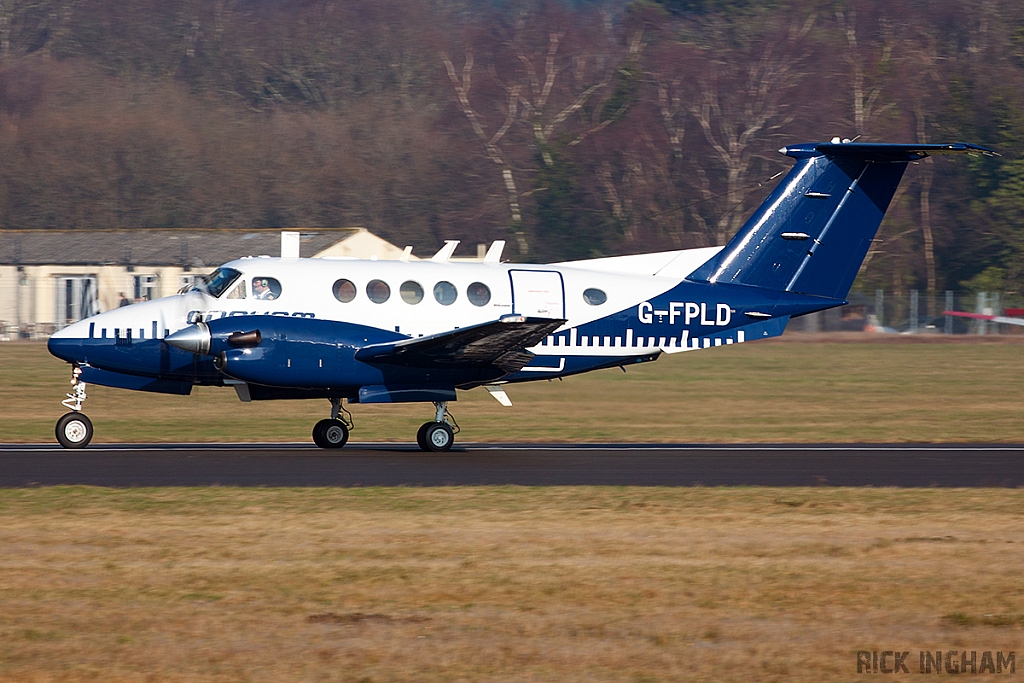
<point>501,343</point>
<point>895,152</point>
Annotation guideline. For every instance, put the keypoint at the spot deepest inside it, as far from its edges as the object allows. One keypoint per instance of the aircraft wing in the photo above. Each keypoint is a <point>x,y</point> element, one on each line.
<point>501,343</point>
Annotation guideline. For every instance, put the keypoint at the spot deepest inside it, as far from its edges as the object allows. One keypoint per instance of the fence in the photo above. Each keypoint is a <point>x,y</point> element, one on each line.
<point>34,307</point>
<point>915,312</point>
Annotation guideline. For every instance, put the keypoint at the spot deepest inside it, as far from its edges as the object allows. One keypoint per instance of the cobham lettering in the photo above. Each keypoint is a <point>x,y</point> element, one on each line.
<point>938,662</point>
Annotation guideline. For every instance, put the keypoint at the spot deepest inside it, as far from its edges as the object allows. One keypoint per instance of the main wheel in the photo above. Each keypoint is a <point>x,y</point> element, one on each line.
<point>74,430</point>
<point>438,436</point>
<point>330,433</point>
<point>421,439</point>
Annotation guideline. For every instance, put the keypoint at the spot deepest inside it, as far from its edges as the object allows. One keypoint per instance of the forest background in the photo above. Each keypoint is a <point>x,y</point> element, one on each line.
<point>572,130</point>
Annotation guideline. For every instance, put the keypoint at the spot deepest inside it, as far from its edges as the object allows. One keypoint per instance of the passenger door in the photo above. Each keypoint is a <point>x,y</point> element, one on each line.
<point>537,293</point>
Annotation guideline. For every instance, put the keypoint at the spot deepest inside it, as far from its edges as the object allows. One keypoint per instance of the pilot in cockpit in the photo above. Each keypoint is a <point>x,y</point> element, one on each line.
<point>261,289</point>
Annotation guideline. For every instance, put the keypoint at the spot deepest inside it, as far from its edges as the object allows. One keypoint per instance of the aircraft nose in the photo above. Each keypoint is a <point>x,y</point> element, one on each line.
<point>78,330</point>
<point>67,343</point>
<point>194,339</point>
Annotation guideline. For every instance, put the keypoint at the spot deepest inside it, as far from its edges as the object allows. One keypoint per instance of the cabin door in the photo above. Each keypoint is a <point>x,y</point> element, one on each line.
<point>538,293</point>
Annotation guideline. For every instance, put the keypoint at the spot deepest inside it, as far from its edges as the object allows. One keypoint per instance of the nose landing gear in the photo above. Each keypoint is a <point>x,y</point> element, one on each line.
<point>74,429</point>
<point>333,432</point>
<point>439,435</point>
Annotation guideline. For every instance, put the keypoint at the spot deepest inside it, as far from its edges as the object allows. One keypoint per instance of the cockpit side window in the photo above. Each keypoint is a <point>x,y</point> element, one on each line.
<point>238,292</point>
<point>266,288</point>
<point>218,282</point>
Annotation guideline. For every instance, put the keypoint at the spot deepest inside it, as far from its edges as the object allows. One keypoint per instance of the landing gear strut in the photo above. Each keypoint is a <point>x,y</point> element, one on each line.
<point>74,429</point>
<point>438,436</point>
<point>333,432</point>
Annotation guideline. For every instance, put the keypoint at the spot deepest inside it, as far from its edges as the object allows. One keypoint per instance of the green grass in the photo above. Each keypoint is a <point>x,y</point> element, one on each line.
<point>499,583</point>
<point>853,390</point>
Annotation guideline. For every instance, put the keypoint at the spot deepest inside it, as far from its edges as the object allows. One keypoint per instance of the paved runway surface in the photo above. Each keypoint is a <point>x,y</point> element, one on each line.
<point>527,465</point>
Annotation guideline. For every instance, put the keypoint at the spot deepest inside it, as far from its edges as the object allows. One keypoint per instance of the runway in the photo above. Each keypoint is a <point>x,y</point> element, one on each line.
<point>282,465</point>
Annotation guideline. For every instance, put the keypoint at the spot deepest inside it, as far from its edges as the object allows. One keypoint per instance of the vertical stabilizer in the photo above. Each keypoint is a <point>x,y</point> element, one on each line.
<point>812,232</point>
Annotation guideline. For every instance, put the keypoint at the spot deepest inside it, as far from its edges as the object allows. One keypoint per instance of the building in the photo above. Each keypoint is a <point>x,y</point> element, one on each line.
<point>50,278</point>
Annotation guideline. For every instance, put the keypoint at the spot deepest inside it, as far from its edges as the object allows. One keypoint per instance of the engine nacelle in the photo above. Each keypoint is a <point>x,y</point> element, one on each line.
<point>294,352</point>
<point>307,353</point>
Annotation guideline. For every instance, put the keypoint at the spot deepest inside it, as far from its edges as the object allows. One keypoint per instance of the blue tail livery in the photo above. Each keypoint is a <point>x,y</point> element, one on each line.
<point>366,331</point>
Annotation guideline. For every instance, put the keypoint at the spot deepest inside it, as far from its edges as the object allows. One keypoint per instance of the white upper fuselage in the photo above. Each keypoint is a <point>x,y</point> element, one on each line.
<point>309,288</point>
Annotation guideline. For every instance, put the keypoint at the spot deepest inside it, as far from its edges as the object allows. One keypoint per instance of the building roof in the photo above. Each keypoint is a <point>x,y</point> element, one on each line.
<point>196,248</point>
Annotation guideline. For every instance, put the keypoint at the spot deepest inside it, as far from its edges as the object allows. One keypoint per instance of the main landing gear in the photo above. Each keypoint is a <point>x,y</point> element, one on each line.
<point>435,436</point>
<point>74,429</point>
<point>333,432</point>
<point>439,435</point>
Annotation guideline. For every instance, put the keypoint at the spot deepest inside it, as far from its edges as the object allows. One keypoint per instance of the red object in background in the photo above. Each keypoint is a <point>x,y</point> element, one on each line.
<point>1019,312</point>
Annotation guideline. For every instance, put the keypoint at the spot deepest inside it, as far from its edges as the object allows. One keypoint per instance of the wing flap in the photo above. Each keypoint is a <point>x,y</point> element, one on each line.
<point>501,343</point>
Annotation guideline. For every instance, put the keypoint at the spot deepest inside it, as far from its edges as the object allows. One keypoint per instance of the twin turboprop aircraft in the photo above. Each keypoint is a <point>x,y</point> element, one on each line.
<point>399,331</point>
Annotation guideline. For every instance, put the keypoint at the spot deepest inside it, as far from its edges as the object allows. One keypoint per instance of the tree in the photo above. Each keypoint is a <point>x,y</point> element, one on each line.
<point>742,97</point>
<point>543,72</point>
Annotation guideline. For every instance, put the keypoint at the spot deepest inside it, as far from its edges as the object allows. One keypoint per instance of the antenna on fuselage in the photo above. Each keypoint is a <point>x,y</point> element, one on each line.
<point>445,252</point>
<point>406,253</point>
<point>290,242</point>
<point>493,254</point>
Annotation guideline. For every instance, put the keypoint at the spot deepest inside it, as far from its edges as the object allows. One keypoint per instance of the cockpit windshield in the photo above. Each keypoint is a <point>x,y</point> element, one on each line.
<point>216,283</point>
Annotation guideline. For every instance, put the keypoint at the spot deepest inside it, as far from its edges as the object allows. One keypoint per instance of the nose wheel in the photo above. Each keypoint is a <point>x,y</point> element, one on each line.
<point>437,436</point>
<point>74,429</point>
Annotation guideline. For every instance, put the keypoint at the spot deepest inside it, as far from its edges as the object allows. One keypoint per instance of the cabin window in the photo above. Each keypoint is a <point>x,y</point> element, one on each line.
<point>378,291</point>
<point>411,292</point>
<point>594,297</point>
<point>217,282</point>
<point>478,294</point>
<point>445,293</point>
<point>266,288</point>
<point>344,291</point>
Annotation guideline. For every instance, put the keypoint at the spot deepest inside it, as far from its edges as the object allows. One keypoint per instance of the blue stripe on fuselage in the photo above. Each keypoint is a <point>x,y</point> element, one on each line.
<point>148,358</point>
<point>687,316</point>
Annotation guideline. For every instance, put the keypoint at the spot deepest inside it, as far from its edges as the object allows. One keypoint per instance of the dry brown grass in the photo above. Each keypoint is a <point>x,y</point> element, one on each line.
<point>485,584</point>
<point>852,388</point>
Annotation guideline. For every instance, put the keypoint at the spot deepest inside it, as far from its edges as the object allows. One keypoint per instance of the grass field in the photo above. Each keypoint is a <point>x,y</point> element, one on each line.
<point>638,585</point>
<point>855,388</point>
<point>500,584</point>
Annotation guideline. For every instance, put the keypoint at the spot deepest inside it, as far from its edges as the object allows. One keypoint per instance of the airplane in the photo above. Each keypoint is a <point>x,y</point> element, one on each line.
<point>366,331</point>
<point>1012,317</point>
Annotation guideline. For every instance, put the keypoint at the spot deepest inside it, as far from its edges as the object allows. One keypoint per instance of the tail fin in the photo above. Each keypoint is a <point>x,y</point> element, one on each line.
<point>812,232</point>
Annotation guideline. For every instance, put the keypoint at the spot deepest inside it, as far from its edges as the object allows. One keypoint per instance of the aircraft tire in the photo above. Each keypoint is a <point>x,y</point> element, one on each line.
<point>74,430</point>
<point>438,437</point>
<point>421,440</point>
<point>318,438</point>
<point>328,433</point>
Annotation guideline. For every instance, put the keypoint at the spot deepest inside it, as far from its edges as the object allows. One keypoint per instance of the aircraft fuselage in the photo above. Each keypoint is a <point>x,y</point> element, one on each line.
<point>611,318</point>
